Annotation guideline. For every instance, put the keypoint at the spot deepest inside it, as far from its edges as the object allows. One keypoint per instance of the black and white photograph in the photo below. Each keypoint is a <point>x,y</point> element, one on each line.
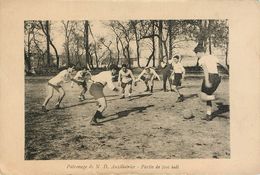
<point>126,89</point>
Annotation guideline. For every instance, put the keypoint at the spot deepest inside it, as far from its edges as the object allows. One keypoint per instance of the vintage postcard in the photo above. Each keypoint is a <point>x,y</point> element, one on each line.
<point>130,87</point>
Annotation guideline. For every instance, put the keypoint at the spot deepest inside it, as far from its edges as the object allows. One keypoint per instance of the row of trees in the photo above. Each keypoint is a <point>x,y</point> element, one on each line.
<point>124,42</point>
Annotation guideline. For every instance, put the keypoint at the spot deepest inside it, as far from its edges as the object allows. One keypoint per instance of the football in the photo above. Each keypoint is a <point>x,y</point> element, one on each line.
<point>187,114</point>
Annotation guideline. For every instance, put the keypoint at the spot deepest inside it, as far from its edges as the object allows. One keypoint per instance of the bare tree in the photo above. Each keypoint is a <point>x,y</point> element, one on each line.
<point>46,31</point>
<point>69,26</point>
<point>94,49</point>
<point>123,30</point>
<point>107,46</point>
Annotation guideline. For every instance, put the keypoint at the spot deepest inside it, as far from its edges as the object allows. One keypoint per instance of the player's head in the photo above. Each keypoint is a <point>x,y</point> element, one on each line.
<point>199,50</point>
<point>176,58</point>
<point>71,68</point>
<point>124,67</point>
<point>113,68</point>
<point>147,69</point>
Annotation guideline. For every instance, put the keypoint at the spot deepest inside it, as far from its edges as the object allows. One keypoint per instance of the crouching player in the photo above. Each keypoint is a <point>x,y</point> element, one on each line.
<point>56,84</point>
<point>80,80</point>
<point>96,90</point>
<point>211,79</point>
<point>148,75</point>
<point>178,76</point>
<point>125,78</point>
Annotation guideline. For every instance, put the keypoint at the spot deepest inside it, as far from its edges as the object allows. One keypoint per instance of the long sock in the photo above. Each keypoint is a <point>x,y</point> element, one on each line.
<point>209,107</point>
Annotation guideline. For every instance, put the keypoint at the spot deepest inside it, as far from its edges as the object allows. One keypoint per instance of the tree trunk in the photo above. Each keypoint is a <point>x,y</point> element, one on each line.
<point>150,57</point>
<point>165,48</point>
<point>128,55</point>
<point>210,50</point>
<point>137,45</point>
<point>86,25</point>
<point>56,53</point>
<point>209,35</point>
<point>28,57</point>
<point>27,61</point>
<point>68,52</point>
<point>51,43</point>
<point>97,62</point>
<point>48,43</point>
<point>160,42</point>
<point>226,59</point>
<point>153,41</point>
<point>170,38</point>
<point>118,51</point>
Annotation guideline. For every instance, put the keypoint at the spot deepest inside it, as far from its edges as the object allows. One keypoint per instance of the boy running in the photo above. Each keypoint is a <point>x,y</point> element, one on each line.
<point>56,84</point>
<point>80,80</point>
<point>211,80</point>
<point>178,74</point>
<point>96,90</point>
<point>125,79</point>
<point>148,75</point>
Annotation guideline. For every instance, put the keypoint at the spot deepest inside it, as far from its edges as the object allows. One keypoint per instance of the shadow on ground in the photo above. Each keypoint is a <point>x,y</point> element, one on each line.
<point>125,113</point>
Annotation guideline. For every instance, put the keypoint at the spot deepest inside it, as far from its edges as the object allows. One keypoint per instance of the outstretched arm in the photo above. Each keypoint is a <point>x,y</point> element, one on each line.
<point>155,74</point>
<point>139,77</point>
<point>132,75</point>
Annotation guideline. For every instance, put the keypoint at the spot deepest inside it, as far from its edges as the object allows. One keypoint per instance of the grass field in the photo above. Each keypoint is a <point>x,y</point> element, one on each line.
<point>147,126</point>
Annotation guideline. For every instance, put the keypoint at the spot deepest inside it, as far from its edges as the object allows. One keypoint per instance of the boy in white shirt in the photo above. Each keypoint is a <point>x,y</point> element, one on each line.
<point>178,74</point>
<point>148,75</point>
<point>80,80</point>
<point>125,79</point>
<point>211,80</point>
<point>56,84</point>
<point>96,90</point>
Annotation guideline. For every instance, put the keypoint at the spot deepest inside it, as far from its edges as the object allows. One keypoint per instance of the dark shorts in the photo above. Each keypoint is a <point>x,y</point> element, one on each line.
<point>54,86</point>
<point>177,79</point>
<point>143,78</point>
<point>83,84</point>
<point>215,80</point>
<point>96,90</point>
<point>123,85</point>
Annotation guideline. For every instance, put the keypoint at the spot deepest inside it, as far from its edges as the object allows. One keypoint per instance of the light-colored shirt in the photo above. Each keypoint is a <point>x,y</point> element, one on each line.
<point>125,77</point>
<point>149,75</point>
<point>105,78</point>
<point>210,62</point>
<point>63,77</point>
<point>80,76</point>
<point>178,68</point>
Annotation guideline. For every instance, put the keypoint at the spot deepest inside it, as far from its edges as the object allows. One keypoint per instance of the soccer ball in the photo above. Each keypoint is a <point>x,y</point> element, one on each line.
<point>187,114</point>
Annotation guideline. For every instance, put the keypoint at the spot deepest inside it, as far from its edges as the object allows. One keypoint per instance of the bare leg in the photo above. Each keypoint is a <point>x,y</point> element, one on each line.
<point>130,90</point>
<point>123,92</point>
<point>151,83</point>
<point>49,95</point>
<point>82,93</point>
<point>170,82</point>
<point>102,106</point>
<point>61,96</point>
<point>147,85</point>
<point>180,96</point>
<point>176,90</point>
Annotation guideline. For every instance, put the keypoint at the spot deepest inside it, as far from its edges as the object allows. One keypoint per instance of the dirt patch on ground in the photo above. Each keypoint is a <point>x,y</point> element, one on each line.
<point>147,126</point>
